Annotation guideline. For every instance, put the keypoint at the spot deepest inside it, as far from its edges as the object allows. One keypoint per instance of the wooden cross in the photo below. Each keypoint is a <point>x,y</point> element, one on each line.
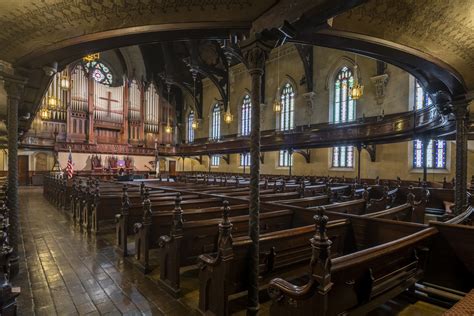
<point>109,101</point>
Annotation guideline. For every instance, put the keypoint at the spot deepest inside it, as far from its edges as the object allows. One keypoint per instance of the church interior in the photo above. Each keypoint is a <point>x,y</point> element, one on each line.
<point>237,157</point>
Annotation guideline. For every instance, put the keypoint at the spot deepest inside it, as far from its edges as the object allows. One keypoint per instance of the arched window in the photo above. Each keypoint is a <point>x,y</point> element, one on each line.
<point>190,127</point>
<point>344,106</point>
<point>436,149</point>
<point>287,99</point>
<point>216,122</point>
<point>422,98</point>
<point>344,111</point>
<point>246,116</point>
<point>99,72</point>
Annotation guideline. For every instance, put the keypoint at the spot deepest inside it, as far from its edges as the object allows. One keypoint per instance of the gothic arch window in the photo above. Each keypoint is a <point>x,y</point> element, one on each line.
<point>246,115</point>
<point>436,150</point>
<point>287,115</point>
<point>190,127</point>
<point>343,111</point>
<point>216,122</point>
<point>344,106</point>
<point>100,72</point>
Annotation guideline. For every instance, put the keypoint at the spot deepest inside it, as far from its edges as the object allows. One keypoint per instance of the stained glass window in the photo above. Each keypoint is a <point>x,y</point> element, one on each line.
<point>190,127</point>
<point>287,99</point>
<point>344,106</point>
<point>246,116</point>
<point>422,98</point>
<point>216,122</point>
<point>285,159</point>
<point>215,161</point>
<point>343,157</point>
<point>99,72</point>
<point>436,149</point>
<point>245,159</point>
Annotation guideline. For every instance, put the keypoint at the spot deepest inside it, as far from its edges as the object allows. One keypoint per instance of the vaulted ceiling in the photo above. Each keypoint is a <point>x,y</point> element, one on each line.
<point>432,39</point>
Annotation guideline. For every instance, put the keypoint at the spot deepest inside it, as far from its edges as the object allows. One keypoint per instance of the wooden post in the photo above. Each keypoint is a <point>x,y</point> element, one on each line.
<point>359,149</point>
<point>255,52</point>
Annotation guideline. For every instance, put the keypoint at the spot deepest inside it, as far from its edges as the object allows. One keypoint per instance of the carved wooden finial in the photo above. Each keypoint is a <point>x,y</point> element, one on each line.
<point>321,221</point>
<point>410,195</point>
<point>146,206</point>
<point>321,253</point>
<point>142,188</point>
<point>225,213</point>
<point>224,241</point>
<point>177,224</point>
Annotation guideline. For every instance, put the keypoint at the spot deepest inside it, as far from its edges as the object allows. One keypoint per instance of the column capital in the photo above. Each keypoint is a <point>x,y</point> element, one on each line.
<point>255,51</point>
<point>461,108</point>
<point>13,84</point>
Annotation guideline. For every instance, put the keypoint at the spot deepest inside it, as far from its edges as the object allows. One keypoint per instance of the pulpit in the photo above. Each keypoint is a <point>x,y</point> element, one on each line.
<point>96,164</point>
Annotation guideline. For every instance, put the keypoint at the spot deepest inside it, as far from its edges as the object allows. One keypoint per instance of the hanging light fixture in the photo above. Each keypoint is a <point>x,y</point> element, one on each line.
<point>64,83</point>
<point>91,57</point>
<point>277,103</point>
<point>168,128</point>
<point>52,102</point>
<point>194,123</point>
<point>357,89</point>
<point>44,113</point>
<point>228,117</point>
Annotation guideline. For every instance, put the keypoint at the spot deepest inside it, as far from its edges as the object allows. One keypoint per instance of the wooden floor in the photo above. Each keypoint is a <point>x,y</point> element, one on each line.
<point>63,272</point>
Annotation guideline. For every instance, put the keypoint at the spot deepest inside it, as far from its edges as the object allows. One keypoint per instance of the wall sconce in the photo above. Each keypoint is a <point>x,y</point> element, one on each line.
<point>277,106</point>
<point>194,124</point>
<point>168,129</point>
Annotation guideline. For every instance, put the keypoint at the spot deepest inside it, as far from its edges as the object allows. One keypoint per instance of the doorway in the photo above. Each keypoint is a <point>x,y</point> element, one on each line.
<point>23,170</point>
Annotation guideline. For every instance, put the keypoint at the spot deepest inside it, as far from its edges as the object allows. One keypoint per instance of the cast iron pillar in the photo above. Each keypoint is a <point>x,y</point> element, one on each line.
<point>14,87</point>
<point>255,52</point>
<point>461,112</point>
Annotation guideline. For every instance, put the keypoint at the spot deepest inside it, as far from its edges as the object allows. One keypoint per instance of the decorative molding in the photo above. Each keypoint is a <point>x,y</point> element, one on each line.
<point>380,83</point>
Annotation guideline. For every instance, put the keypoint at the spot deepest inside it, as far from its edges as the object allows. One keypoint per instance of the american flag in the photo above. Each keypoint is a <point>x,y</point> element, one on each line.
<point>69,167</point>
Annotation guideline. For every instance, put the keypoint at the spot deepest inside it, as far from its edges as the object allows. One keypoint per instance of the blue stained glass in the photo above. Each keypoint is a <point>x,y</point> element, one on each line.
<point>190,127</point>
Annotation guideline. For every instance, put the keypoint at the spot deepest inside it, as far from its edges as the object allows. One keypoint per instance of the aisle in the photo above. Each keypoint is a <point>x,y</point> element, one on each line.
<point>65,273</point>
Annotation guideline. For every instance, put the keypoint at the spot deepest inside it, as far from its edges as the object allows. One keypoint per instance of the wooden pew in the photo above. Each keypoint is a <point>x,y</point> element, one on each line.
<point>130,214</point>
<point>353,283</point>
<point>452,257</point>
<point>188,239</point>
<point>282,252</point>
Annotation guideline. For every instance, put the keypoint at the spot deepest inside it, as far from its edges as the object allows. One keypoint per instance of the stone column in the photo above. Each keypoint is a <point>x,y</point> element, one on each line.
<point>14,88</point>
<point>255,52</point>
<point>461,112</point>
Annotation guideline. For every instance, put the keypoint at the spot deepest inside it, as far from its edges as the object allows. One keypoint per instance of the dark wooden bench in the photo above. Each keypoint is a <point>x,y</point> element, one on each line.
<point>284,251</point>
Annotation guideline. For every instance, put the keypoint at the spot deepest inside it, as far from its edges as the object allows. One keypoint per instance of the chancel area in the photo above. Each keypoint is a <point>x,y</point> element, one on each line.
<point>270,157</point>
